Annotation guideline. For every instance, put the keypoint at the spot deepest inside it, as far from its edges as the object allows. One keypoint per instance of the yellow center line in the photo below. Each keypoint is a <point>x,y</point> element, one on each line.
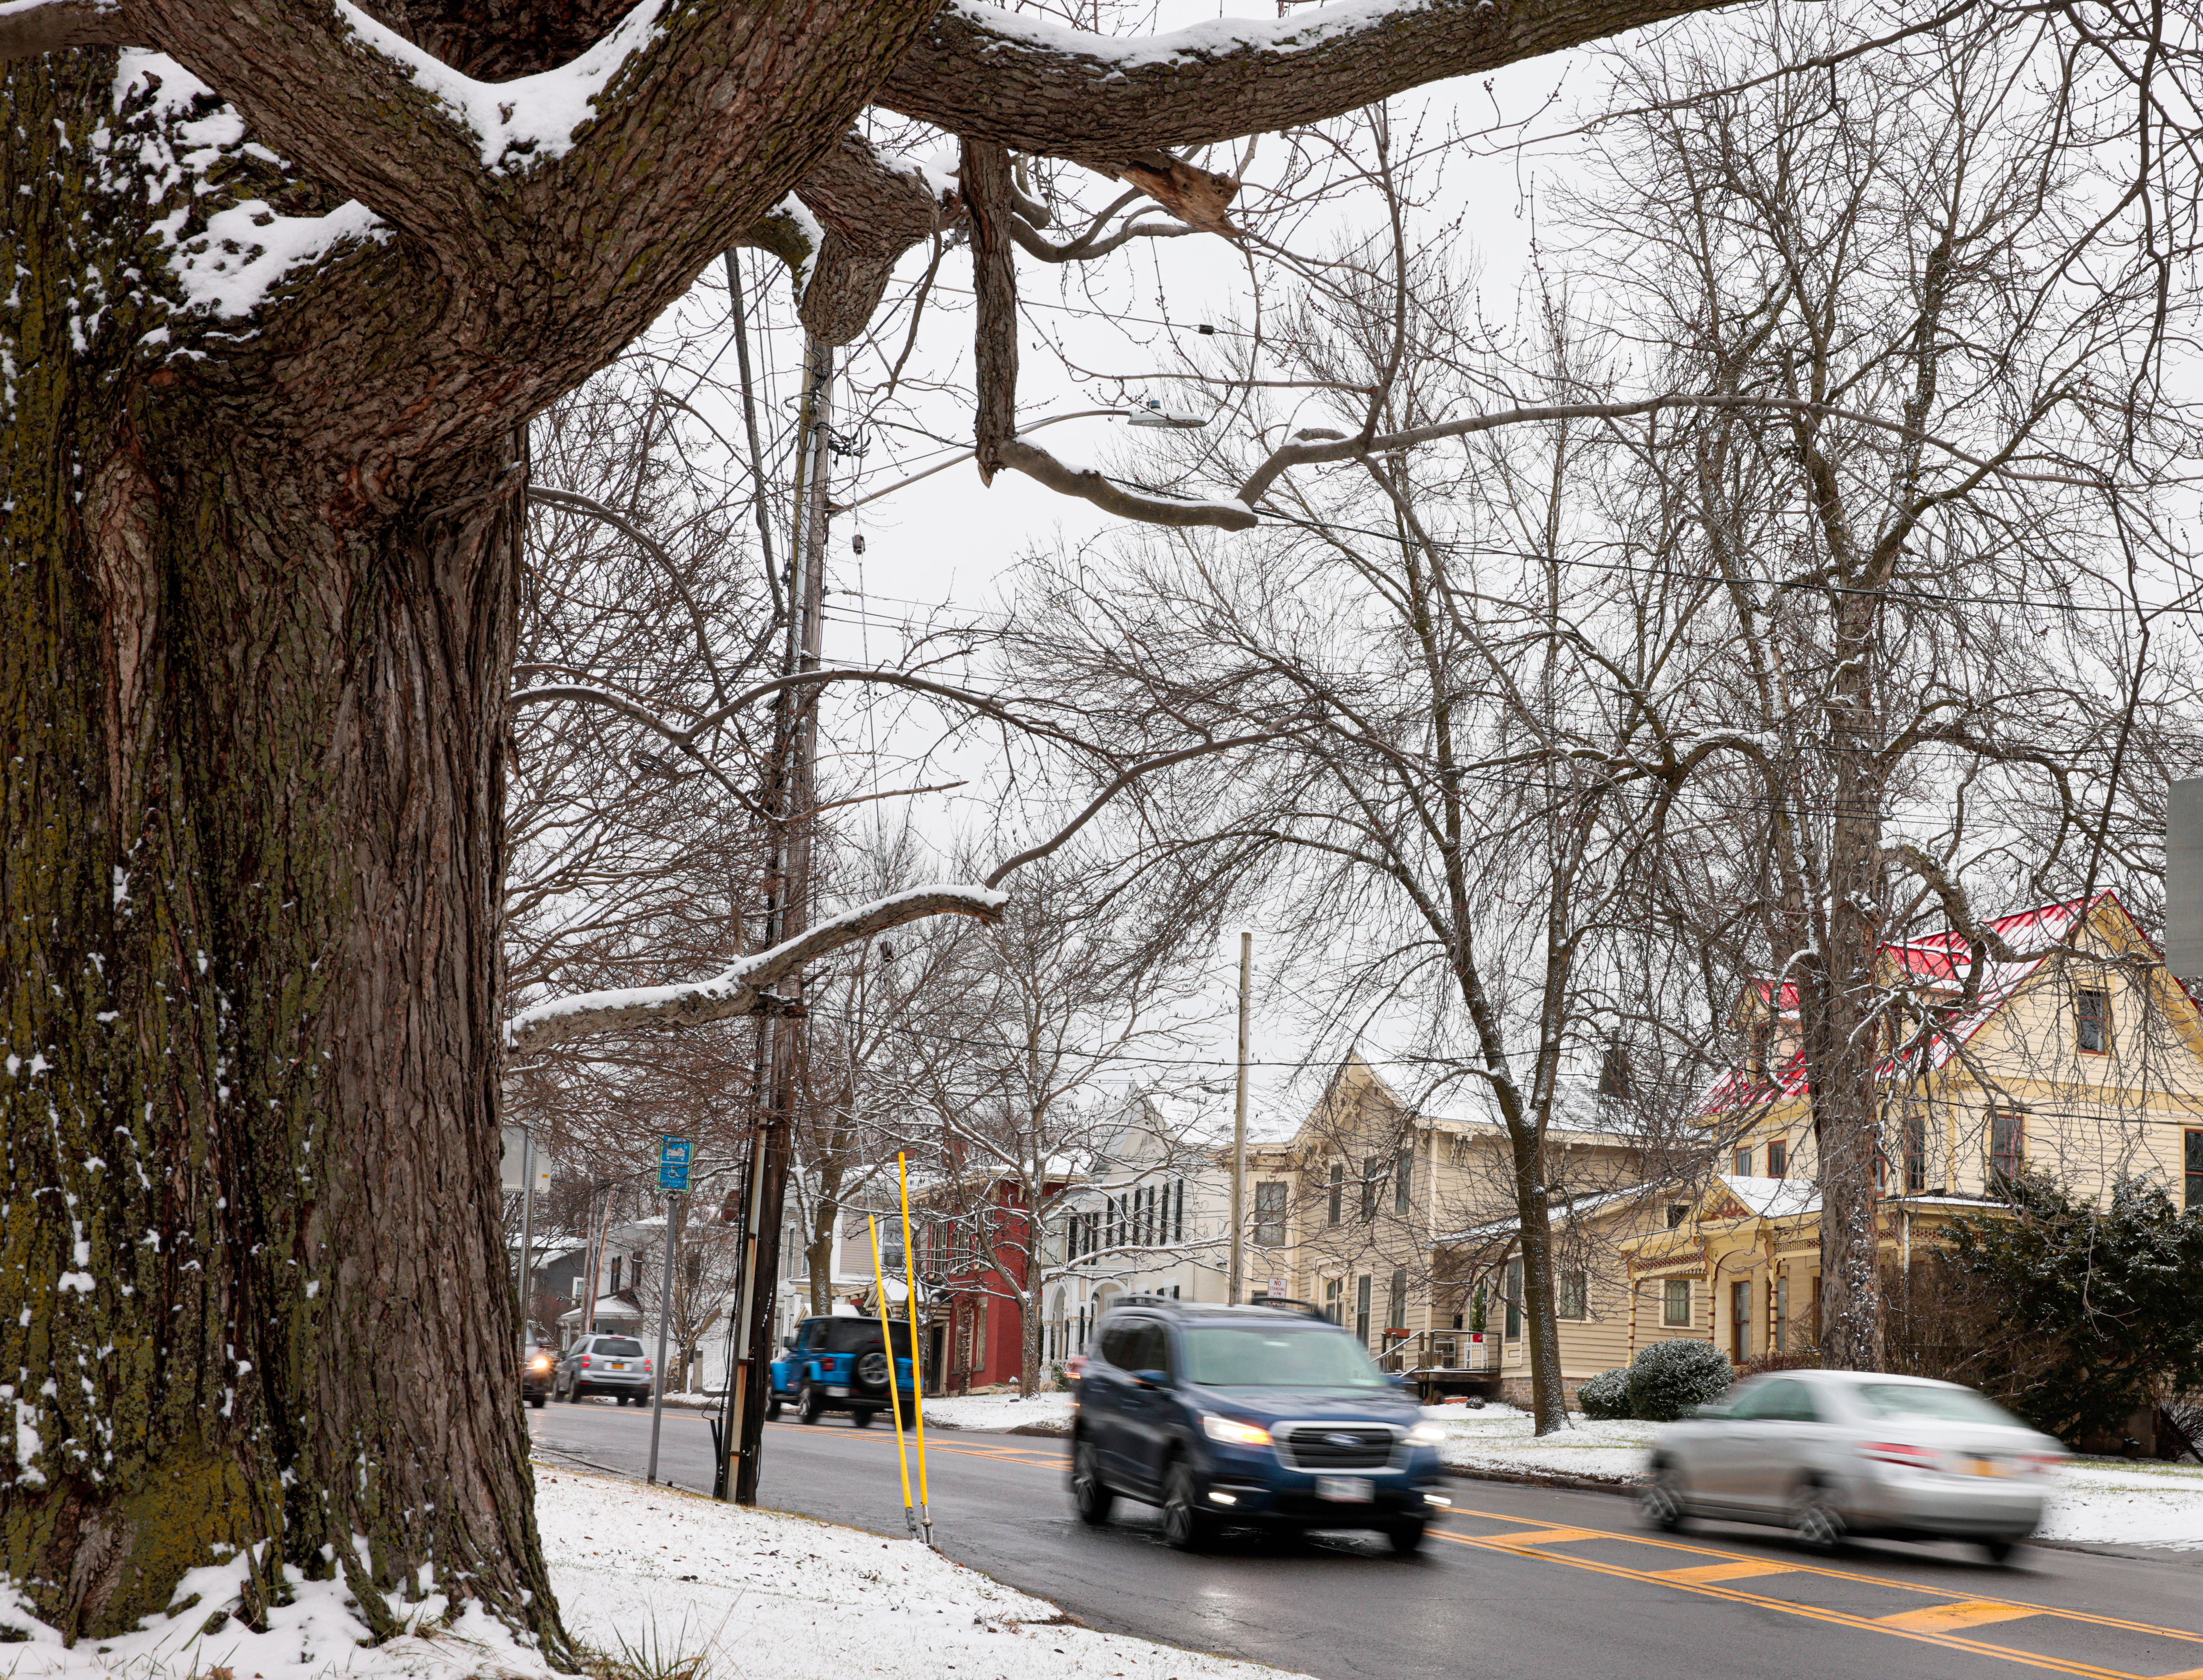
<point>1810,1612</point>
<point>1952,1592</point>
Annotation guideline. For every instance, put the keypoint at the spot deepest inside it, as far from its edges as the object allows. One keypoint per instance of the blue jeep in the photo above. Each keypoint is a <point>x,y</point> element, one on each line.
<point>839,1364</point>
<point>1250,1415</point>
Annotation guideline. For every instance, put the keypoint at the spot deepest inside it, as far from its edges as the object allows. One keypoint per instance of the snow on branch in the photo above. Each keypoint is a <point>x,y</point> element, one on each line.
<point>744,988</point>
<point>1020,81</point>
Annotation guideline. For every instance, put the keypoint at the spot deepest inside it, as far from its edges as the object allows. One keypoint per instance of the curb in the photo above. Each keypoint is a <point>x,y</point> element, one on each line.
<point>1542,1479</point>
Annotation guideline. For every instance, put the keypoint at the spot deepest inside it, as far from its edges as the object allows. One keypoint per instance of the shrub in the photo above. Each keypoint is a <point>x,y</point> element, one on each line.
<point>1605,1395</point>
<point>1670,1377</point>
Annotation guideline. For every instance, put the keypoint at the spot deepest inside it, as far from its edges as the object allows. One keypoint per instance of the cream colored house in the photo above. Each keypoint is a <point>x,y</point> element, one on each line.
<point>1395,1220</point>
<point>2084,1059</point>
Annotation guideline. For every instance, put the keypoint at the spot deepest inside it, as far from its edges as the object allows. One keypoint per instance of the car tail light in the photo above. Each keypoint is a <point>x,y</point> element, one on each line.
<point>1897,1452</point>
<point>2043,1463</point>
<point>646,1366</point>
<point>585,1362</point>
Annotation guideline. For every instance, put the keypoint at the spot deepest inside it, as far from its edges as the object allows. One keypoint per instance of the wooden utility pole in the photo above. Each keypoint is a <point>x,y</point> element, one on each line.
<point>796,757</point>
<point>1236,1285</point>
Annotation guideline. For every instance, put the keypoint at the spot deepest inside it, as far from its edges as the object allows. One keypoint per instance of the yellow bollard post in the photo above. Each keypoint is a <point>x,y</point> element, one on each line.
<point>894,1385</point>
<point>917,1365</point>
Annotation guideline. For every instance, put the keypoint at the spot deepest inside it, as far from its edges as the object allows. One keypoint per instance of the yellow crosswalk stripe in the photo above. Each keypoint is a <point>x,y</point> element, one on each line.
<point>1948,1617</point>
<point>1743,1570</point>
<point>1540,1537</point>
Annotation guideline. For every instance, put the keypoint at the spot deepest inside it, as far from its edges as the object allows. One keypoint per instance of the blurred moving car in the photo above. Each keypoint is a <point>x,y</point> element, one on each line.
<point>1266,1416</point>
<point>539,1366</point>
<point>839,1364</point>
<point>1832,1453</point>
<point>603,1364</point>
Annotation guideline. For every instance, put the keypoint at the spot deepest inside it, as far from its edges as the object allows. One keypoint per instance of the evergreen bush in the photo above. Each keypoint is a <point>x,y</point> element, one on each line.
<point>1605,1395</point>
<point>1670,1377</point>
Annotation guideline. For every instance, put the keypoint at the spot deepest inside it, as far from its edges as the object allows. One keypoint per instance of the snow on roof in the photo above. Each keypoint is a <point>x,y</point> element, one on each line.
<point>1933,957</point>
<point>1573,1207</point>
<point>1774,1198</point>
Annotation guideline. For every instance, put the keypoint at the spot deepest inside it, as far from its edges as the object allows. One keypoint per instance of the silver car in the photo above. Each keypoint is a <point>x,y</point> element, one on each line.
<point>604,1364</point>
<point>1832,1453</point>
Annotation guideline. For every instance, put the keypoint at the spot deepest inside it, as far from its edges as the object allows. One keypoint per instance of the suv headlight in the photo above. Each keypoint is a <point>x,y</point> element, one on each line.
<point>1428,1432</point>
<point>1233,1433</point>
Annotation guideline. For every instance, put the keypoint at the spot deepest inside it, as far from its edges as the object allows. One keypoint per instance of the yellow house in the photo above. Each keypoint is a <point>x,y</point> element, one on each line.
<point>2083,1058</point>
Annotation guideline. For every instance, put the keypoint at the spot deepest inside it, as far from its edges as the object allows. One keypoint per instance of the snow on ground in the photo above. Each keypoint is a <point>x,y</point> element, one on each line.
<point>667,1586</point>
<point>650,1572</point>
<point>2109,1503</point>
<point>1048,1414</point>
<point>1502,1438</point>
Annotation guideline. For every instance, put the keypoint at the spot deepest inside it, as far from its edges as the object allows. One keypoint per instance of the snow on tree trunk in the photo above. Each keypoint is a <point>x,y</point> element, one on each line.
<point>256,1290</point>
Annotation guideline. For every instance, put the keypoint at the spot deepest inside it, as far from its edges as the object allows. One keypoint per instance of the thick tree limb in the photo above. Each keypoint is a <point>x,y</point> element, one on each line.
<point>1020,81</point>
<point>745,987</point>
<point>870,212</point>
<point>987,190</point>
<point>29,28</point>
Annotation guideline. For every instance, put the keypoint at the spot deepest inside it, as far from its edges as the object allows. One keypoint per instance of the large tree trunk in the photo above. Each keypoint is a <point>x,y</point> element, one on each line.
<point>253,775</point>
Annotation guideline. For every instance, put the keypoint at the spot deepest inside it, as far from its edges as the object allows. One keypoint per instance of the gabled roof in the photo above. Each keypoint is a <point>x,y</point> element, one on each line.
<point>1934,957</point>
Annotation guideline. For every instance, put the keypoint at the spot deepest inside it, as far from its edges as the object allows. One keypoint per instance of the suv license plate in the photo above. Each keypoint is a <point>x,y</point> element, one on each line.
<point>619,1365</point>
<point>1345,1489</point>
<point>833,1393</point>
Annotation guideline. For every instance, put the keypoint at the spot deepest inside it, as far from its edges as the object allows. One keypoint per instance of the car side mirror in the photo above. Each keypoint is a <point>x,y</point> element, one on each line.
<point>1152,1379</point>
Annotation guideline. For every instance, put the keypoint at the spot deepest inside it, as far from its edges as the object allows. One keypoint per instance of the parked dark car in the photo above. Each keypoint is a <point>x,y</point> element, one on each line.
<point>539,1367</point>
<point>1251,1416</point>
<point>604,1364</point>
<point>839,1364</point>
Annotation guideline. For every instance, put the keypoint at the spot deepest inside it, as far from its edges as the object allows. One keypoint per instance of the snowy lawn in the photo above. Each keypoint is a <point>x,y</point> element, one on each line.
<point>662,1585</point>
<point>1503,1438</point>
<point>1043,1414</point>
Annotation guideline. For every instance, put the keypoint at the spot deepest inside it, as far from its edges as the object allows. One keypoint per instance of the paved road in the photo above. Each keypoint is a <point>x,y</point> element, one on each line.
<point>1524,1581</point>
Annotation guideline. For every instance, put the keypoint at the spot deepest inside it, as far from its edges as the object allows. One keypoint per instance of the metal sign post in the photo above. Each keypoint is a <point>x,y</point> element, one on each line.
<point>673,1182</point>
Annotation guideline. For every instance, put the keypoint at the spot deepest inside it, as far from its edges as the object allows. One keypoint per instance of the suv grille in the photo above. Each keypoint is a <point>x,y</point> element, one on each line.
<point>1337,1446</point>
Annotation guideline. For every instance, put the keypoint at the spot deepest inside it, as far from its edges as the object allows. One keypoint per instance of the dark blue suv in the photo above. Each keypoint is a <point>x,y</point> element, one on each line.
<point>1265,1416</point>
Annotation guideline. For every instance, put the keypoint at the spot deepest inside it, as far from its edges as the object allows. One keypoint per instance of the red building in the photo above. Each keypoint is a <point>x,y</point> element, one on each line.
<point>976,1244</point>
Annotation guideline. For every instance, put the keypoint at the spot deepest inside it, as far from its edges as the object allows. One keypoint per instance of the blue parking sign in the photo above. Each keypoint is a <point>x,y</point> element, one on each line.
<point>673,1163</point>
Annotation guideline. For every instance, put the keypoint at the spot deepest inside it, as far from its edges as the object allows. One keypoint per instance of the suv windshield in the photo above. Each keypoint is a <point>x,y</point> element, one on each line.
<point>1236,1356</point>
<point>616,1346</point>
<point>855,1335</point>
<point>1921,1399</point>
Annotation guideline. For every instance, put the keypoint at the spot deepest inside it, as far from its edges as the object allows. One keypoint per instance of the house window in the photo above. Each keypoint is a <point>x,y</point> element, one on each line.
<point>1396,1308</point>
<point>1915,1153</point>
<point>1675,1304</point>
<point>2093,1020</point>
<point>1513,1298</point>
<point>2007,1146</point>
<point>1741,1164</point>
<point>1403,1181</point>
<point>614,1289</point>
<point>1778,1158</point>
<point>1270,1215</point>
<point>1177,1211</point>
<point>1740,1323</point>
<point>1677,1212</point>
<point>2194,1146</point>
<point>1372,1175</point>
<point>1332,1308</point>
<point>1361,1308</point>
<point>1574,1295</point>
<point>1338,1190</point>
